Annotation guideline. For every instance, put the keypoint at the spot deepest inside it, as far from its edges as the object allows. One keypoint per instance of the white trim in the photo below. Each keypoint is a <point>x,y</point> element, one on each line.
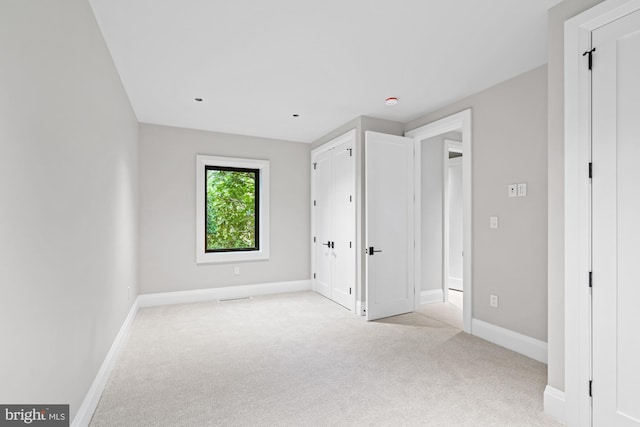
<point>554,403</point>
<point>229,292</point>
<point>349,135</point>
<point>461,120</point>
<point>90,402</point>
<point>515,341</point>
<point>429,297</point>
<point>577,221</point>
<point>263,227</point>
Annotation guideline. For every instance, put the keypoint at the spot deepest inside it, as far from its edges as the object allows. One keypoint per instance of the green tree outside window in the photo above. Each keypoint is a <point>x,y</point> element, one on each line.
<point>231,209</point>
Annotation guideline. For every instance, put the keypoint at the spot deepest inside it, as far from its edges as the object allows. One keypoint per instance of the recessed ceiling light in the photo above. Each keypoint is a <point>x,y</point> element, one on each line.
<point>391,101</point>
<point>198,99</point>
<point>296,115</point>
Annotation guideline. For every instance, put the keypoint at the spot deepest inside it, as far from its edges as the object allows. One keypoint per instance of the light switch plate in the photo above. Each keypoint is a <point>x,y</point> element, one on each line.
<point>493,222</point>
<point>522,190</point>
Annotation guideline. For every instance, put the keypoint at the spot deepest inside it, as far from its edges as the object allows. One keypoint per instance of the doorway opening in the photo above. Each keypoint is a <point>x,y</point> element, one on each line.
<point>443,256</point>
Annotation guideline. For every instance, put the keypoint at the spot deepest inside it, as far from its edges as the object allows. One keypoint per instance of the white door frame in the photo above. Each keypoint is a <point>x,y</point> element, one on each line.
<point>345,137</point>
<point>577,197</point>
<point>455,122</point>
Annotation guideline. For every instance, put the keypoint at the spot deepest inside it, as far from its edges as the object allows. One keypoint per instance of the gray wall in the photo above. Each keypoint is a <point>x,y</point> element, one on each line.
<point>68,222</point>
<point>167,210</point>
<point>361,124</point>
<point>557,16</point>
<point>509,140</point>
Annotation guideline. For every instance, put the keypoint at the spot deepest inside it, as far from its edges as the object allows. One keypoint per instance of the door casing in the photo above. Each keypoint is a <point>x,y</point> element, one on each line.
<point>459,121</point>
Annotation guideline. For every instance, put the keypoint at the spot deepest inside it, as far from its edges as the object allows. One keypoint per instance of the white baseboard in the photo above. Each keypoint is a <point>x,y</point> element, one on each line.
<point>229,292</point>
<point>554,403</point>
<point>90,402</point>
<point>507,338</point>
<point>428,297</point>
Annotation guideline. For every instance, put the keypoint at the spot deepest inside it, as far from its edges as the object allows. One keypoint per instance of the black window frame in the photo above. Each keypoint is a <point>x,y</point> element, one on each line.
<point>255,171</point>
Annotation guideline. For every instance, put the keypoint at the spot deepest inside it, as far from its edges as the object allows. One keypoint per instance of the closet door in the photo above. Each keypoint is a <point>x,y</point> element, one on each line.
<point>323,176</point>
<point>334,221</point>
<point>343,225</point>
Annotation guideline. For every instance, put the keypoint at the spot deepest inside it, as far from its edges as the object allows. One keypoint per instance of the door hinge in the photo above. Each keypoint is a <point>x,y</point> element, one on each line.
<point>314,275</point>
<point>314,239</point>
<point>314,203</point>
<point>350,198</point>
<point>350,150</point>
<point>349,245</point>
<point>349,291</point>
<point>590,279</point>
<point>590,388</point>
<point>590,53</point>
<point>590,170</point>
<point>315,165</point>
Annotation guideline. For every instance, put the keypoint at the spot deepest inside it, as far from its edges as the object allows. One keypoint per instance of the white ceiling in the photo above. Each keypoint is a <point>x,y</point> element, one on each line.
<point>256,63</point>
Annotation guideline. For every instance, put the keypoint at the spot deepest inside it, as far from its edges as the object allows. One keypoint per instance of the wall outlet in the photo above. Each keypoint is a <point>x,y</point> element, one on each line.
<point>493,222</point>
<point>493,301</point>
<point>236,271</point>
<point>513,190</point>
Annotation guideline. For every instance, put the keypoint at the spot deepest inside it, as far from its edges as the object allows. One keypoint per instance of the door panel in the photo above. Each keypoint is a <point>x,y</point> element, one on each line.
<point>389,224</point>
<point>616,229</point>
<point>323,173</point>
<point>343,252</point>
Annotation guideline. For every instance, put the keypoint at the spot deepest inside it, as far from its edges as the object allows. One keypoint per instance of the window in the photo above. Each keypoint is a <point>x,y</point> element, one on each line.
<point>231,209</point>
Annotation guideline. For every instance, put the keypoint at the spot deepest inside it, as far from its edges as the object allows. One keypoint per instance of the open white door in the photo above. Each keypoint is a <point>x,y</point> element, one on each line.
<point>389,215</point>
<point>616,228</point>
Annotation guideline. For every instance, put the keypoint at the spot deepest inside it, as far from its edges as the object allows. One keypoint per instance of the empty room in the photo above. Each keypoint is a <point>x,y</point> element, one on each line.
<point>319,213</point>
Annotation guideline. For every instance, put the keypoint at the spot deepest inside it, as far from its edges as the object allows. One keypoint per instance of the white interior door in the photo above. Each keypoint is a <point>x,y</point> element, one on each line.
<point>616,223</point>
<point>343,224</point>
<point>455,210</point>
<point>389,215</point>
<point>322,209</point>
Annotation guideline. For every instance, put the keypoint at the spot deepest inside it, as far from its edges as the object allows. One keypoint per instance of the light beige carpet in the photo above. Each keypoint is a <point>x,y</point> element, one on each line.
<point>301,360</point>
